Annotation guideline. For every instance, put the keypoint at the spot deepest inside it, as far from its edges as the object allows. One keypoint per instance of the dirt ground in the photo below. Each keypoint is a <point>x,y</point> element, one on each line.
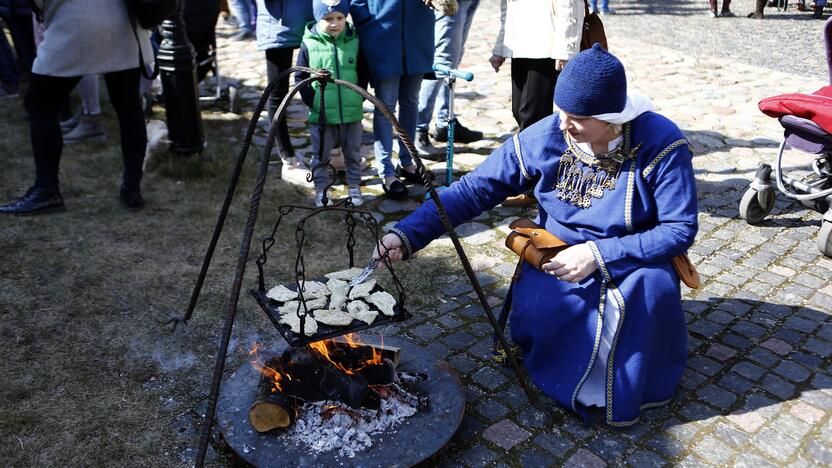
<point>90,378</point>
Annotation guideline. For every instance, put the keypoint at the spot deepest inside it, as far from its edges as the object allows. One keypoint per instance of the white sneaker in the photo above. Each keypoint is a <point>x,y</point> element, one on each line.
<point>355,196</point>
<point>319,199</point>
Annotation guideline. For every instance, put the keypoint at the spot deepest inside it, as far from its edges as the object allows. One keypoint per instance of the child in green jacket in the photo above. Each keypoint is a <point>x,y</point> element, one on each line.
<point>331,43</point>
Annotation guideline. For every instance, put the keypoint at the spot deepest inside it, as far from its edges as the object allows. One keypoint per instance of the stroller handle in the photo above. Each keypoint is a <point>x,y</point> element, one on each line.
<point>827,35</point>
<point>467,76</point>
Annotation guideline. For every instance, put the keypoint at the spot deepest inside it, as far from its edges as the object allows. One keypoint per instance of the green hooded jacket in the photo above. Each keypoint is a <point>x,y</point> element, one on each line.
<point>340,56</point>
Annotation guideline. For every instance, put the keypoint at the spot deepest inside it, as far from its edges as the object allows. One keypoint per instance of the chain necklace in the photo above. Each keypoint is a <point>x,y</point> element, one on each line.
<point>582,176</point>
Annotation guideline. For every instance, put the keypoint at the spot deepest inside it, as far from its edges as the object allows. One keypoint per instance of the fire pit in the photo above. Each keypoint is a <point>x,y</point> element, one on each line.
<point>411,440</point>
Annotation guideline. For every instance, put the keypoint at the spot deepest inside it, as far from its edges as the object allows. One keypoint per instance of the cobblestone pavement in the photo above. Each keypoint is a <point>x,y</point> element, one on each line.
<point>758,388</point>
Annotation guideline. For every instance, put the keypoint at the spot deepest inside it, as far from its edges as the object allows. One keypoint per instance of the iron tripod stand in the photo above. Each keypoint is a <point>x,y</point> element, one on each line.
<point>323,77</point>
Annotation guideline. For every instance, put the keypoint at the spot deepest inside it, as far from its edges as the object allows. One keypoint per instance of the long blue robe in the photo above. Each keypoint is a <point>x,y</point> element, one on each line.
<point>633,230</point>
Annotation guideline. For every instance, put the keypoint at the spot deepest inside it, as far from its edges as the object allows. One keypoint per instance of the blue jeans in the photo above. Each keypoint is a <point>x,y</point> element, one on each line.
<point>403,89</point>
<point>245,11</point>
<point>451,33</point>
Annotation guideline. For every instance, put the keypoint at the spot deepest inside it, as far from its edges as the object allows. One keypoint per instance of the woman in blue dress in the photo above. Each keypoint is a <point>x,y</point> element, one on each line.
<point>602,325</point>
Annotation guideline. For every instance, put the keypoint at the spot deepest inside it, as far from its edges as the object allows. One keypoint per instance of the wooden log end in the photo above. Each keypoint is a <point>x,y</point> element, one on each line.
<point>265,416</point>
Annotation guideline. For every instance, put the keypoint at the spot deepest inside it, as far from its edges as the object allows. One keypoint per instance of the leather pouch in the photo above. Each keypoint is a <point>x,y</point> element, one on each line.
<point>538,246</point>
<point>535,244</point>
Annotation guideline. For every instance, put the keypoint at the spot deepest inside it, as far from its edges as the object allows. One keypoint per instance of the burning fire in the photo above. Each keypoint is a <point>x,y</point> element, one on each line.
<point>325,349</point>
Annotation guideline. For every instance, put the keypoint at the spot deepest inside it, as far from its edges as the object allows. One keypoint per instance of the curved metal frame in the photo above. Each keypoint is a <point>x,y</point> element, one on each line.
<point>780,179</point>
<point>254,207</point>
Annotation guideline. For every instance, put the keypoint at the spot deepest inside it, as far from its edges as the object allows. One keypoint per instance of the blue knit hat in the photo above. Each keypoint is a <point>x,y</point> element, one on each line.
<point>592,83</point>
<point>321,8</point>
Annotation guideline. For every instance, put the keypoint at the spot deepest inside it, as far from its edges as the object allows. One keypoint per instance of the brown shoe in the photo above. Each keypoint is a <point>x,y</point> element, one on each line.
<point>521,200</point>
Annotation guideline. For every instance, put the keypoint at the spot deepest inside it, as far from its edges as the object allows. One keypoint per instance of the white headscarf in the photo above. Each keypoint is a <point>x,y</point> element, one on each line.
<point>637,104</point>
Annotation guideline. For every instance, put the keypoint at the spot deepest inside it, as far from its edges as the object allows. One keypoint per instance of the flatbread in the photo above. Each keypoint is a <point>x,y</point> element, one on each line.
<point>281,293</point>
<point>336,318</point>
<point>314,289</point>
<point>316,303</point>
<point>338,289</point>
<point>361,311</point>
<point>347,274</point>
<point>384,301</point>
<point>290,307</point>
<point>363,289</point>
<point>310,326</point>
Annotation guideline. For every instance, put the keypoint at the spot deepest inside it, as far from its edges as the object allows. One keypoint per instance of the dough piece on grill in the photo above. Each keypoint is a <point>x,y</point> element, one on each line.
<point>314,289</point>
<point>384,301</point>
<point>290,307</point>
<point>336,318</point>
<point>346,275</point>
<point>363,289</point>
<point>361,311</point>
<point>316,303</point>
<point>281,293</point>
<point>310,326</point>
<point>338,288</point>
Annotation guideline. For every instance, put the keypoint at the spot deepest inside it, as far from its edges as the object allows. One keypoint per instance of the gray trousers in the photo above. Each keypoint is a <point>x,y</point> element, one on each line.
<point>348,137</point>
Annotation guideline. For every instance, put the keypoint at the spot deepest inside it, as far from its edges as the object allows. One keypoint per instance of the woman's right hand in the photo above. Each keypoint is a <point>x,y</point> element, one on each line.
<point>390,243</point>
<point>497,62</point>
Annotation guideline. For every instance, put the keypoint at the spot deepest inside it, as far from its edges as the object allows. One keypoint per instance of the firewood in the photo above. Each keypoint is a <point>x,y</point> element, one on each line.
<point>271,408</point>
<point>379,374</point>
<point>364,350</point>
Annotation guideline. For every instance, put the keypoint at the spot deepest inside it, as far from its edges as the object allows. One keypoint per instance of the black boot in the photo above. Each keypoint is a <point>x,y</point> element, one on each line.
<point>758,11</point>
<point>131,197</point>
<point>36,200</point>
<point>426,149</point>
<point>461,134</point>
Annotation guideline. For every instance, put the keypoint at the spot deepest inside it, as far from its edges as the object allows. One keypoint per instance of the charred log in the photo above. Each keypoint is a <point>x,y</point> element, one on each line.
<point>379,374</point>
<point>272,409</point>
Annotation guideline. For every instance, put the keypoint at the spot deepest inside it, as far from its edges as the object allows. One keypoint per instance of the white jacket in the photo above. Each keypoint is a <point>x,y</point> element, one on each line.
<point>540,29</point>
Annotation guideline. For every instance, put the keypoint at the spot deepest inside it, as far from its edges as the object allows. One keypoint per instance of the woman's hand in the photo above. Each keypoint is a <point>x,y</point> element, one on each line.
<point>390,243</point>
<point>572,264</point>
<point>559,64</point>
<point>497,62</point>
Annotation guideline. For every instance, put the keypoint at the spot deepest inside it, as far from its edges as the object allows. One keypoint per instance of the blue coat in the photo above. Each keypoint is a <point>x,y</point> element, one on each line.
<point>280,22</point>
<point>396,36</point>
<point>647,217</point>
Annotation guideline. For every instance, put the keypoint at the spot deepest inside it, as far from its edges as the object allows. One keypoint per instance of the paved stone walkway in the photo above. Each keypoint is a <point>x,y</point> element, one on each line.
<point>758,388</point>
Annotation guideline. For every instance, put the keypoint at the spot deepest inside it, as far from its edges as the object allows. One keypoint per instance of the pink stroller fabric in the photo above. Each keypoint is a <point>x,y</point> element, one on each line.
<point>816,107</point>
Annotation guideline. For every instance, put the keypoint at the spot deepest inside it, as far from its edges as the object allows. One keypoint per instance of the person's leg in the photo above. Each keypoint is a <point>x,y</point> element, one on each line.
<point>448,48</point>
<point>726,8</point>
<point>538,91</point>
<point>351,148</point>
<point>386,90</point>
<point>322,146</point>
<point>408,110</point>
<point>519,70</point>
<point>123,89</point>
<point>20,27</point>
<point>43,101</point>
<point>430,88</point>
<point>9,73</point>
<point>89,124</point>
<point>241,11</point>
<point>278,60</point>
<point>88,90</point>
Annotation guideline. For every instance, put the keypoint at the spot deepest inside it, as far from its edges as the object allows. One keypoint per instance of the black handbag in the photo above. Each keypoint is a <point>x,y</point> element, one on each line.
<point>151,13</point>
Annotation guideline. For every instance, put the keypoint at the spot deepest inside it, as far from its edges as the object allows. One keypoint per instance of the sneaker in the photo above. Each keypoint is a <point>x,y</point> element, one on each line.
<point>355,196</point>
<point>425,149</point>
<point>36,200</point>
<point>89,128</point>
<point>396,190</point>
<point>319,198</point>
<point>70,123</point>
<point>244,35</point>
<point>462,134</point>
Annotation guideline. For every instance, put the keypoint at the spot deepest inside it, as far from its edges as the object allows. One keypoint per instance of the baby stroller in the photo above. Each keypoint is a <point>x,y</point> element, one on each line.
<point>200,17</point>
<point>807,124</point>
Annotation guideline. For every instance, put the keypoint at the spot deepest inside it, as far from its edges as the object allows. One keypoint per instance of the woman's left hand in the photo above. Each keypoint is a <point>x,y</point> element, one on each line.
<point>572,264</point>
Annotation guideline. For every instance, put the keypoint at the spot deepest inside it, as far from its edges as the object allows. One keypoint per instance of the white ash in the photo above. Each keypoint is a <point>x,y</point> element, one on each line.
<point>348,430</point>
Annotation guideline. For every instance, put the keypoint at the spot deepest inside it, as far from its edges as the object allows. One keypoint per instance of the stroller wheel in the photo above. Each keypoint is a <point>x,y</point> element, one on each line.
<point>756,205</point>
<point>825,238</point>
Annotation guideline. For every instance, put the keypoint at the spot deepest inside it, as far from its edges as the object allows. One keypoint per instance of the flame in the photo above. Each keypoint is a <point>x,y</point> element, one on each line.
<point>324,349</point>
<point>275,374</point>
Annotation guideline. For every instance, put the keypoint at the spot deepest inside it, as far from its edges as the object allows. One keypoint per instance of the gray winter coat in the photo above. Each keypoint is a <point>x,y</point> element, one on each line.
<point>86,37</point>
